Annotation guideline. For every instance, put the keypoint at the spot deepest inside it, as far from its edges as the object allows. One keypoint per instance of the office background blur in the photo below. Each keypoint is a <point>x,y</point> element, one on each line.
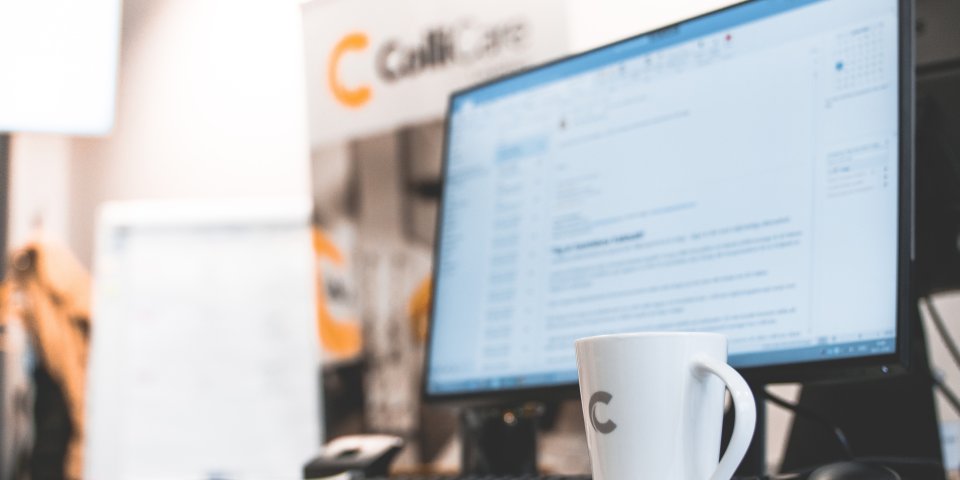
<point>211,103</point>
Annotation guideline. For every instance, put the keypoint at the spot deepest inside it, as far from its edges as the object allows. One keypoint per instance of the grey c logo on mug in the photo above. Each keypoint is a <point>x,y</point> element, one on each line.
<point>604,398</point>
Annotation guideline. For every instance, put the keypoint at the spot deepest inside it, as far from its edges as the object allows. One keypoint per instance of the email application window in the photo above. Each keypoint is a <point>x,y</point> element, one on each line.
<point>743,182</point>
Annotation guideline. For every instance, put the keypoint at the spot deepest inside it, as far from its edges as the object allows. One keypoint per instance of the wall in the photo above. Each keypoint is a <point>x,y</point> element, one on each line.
<point>39,186</point>
<point>594,23</point>
<point>210,104</point>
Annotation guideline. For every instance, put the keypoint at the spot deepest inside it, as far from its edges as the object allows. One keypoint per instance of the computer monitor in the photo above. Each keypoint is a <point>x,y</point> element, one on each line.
<point>746,172</point>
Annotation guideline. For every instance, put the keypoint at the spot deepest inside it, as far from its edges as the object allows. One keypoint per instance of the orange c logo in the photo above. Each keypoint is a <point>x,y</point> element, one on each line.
<point>351,97</point>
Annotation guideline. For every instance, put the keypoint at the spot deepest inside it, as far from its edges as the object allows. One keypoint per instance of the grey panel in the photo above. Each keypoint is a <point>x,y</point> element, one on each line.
<point>938,31</point>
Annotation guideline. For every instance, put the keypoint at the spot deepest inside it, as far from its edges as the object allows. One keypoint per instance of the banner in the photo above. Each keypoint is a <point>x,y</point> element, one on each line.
<point>379,73</point>
<point>373,65</point>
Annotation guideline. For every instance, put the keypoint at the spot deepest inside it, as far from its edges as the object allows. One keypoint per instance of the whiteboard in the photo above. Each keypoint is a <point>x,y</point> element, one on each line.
<point>204,360</point>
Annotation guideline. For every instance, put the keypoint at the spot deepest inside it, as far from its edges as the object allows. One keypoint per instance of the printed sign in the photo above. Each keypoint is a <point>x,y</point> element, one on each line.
<point>373,65</point>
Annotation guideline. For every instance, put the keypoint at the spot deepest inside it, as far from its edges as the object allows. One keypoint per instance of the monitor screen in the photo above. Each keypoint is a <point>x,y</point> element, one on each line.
<point>736,173</point>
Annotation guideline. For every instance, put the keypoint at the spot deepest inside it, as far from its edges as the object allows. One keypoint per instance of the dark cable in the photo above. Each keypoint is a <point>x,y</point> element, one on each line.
<point>951,397</point>
<point>942,330</point>
<point>951,347</point>
<point>894,462</point>
<point>816,418</point>
<point>941,327</point>
<point>838,432</point>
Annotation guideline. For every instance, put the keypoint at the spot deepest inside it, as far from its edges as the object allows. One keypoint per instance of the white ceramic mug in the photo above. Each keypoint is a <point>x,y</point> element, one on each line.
<point>653,406</point>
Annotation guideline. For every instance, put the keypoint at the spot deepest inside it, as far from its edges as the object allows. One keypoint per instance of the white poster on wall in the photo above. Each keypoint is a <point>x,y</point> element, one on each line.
<point>60,62</point>
<point>379,73</point>
<point>373,65</point>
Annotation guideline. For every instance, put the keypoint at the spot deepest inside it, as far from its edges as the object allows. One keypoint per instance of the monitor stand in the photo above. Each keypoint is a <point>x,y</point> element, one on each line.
<point>499,440</point>
<point>887,419</point>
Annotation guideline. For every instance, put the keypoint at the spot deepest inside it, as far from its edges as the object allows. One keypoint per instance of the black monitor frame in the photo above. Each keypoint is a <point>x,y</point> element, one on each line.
<point>844,369</point>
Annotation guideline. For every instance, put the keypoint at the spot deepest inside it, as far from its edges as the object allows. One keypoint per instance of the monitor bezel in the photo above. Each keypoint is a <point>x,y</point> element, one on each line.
<point>871,366</point>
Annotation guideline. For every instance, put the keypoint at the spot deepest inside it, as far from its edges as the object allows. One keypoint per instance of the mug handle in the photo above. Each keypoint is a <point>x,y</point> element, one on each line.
<point>746,414</point>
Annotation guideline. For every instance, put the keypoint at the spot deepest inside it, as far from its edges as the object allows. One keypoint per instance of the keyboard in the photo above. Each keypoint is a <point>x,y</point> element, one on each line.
<point>542,477</point>
<point>484,477</point>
